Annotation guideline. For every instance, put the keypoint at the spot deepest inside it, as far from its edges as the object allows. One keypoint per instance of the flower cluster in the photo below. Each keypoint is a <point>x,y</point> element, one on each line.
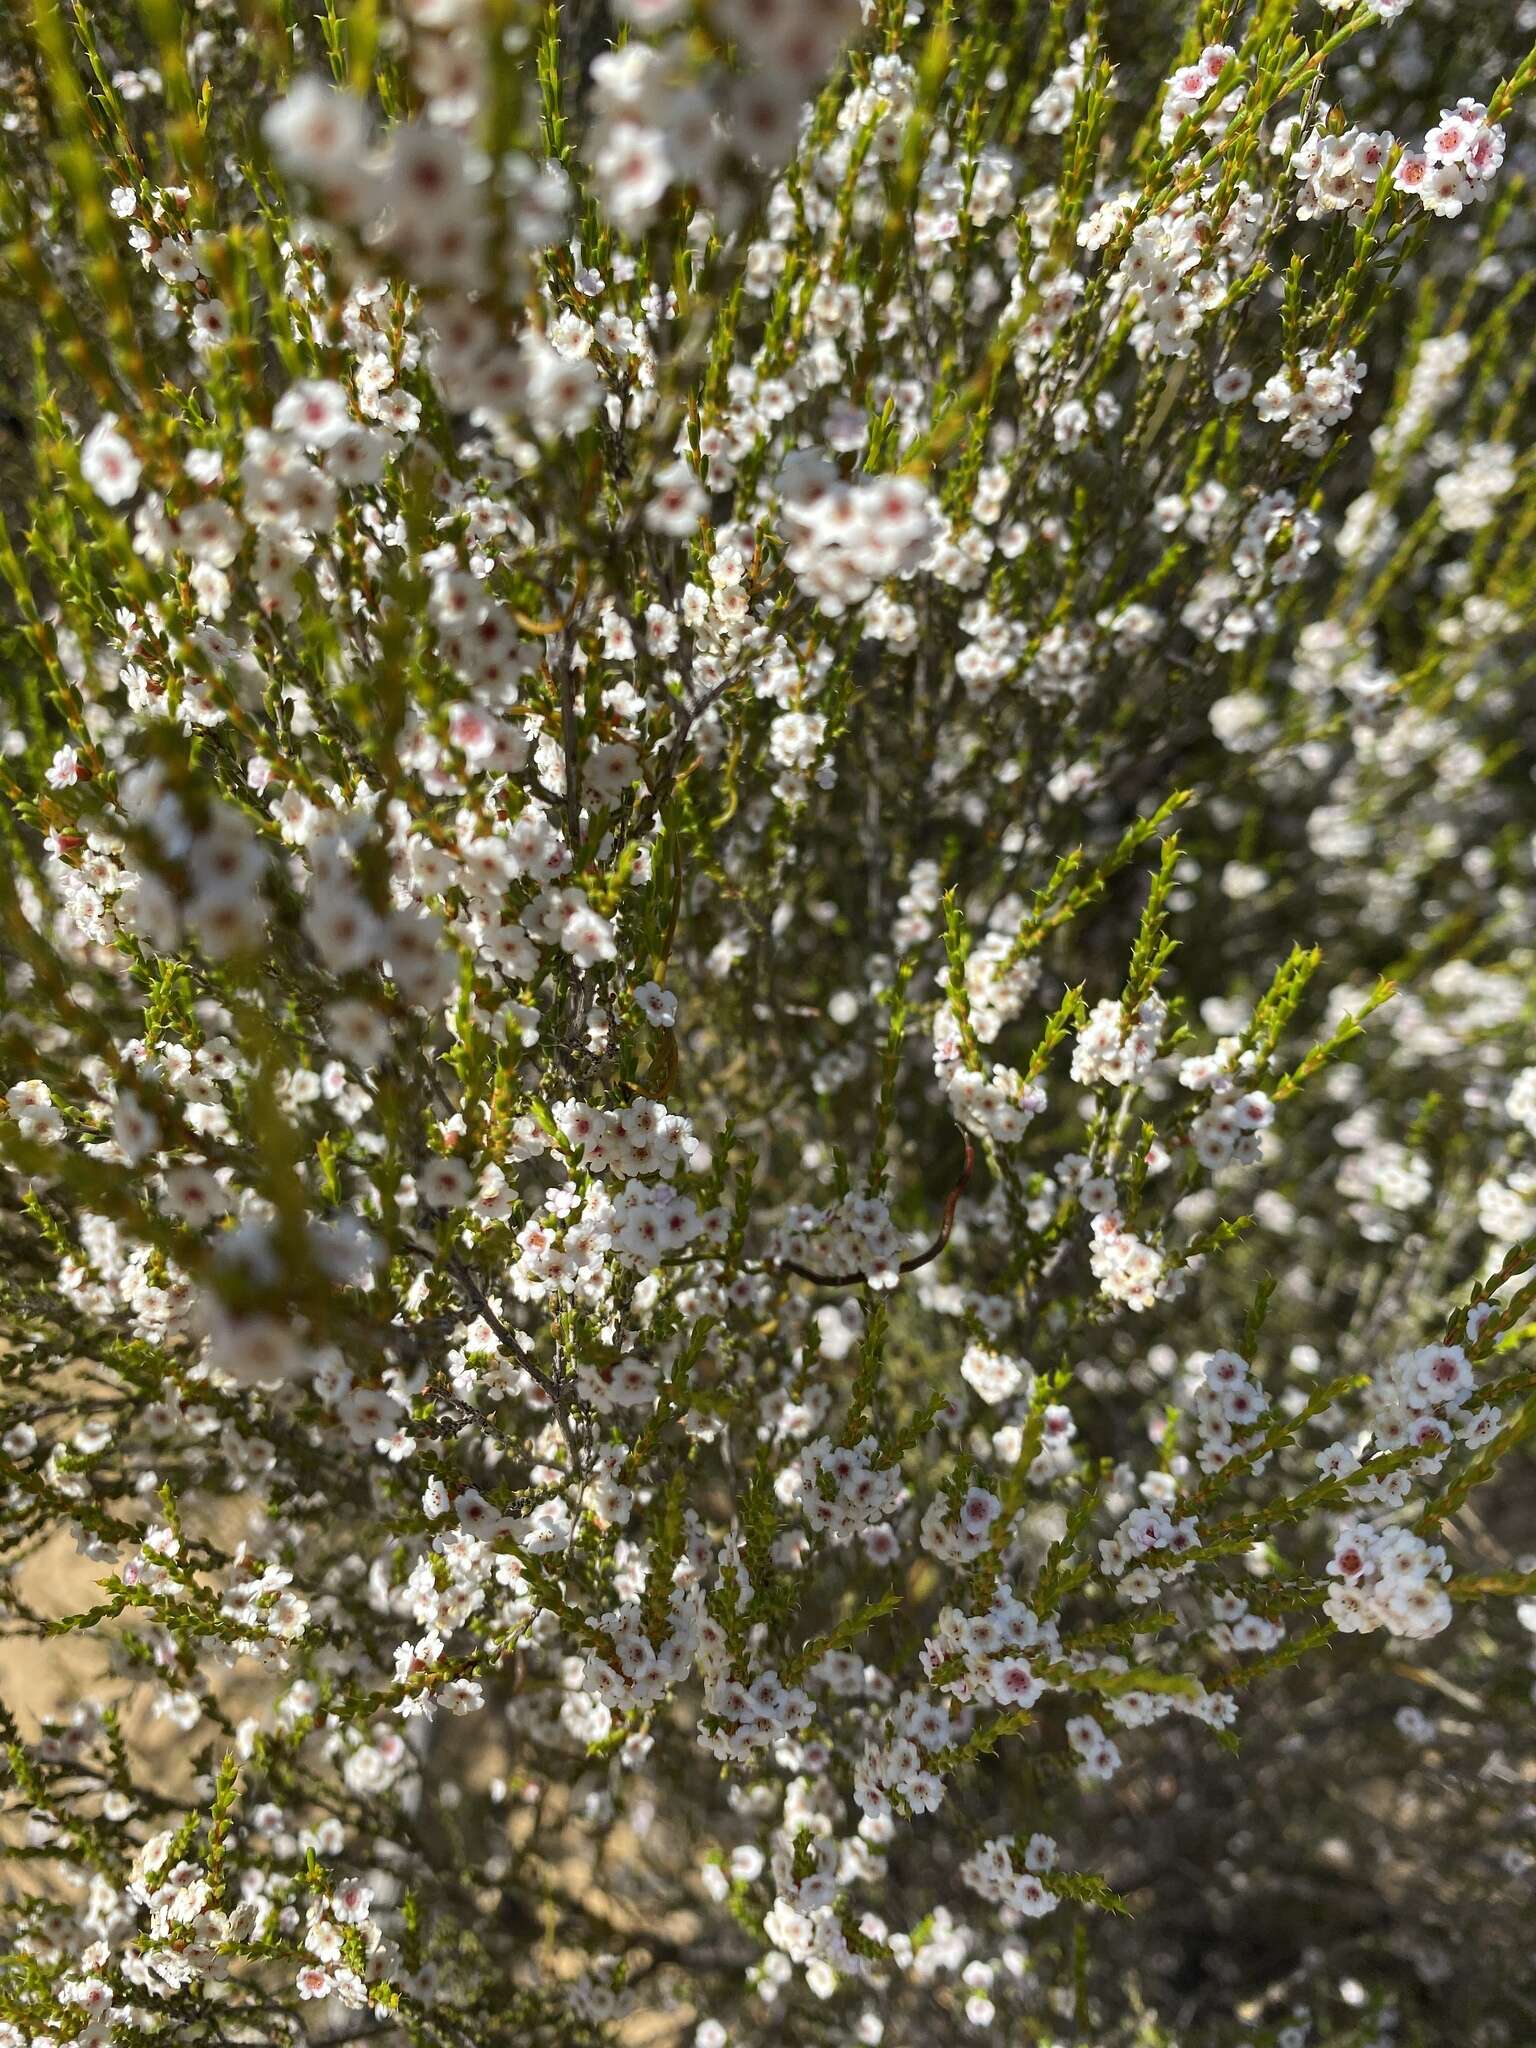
<point>994,1873</point>
<point>852,1236</point>
<point>1229,1407</point>
<point>1388,1578</point>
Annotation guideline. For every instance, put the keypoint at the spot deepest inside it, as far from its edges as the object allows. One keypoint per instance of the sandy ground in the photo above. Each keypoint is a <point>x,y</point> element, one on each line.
<point>45,1679</point>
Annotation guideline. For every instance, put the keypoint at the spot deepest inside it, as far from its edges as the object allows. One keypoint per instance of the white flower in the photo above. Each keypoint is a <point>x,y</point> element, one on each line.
<point>108,463</point>
<point>678,501</point>
<point>656,1005</point>
<point>315,413</point>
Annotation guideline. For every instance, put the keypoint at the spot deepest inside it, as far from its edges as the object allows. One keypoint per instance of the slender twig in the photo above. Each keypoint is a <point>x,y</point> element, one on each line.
<point>923,1258</point>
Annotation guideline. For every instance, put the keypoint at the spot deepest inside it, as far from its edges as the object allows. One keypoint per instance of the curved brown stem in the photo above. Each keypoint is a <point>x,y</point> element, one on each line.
<point>922,1258</point>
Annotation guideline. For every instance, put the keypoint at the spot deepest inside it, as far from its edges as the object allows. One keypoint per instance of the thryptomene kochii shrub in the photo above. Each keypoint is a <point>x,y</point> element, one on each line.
<point>768,1156</point>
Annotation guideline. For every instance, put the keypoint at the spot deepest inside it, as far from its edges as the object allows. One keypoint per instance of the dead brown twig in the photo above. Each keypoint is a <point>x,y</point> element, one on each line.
<point>922,1258</point>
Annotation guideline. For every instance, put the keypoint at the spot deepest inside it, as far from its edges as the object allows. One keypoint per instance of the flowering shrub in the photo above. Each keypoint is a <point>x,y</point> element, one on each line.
<point>722,729</point>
